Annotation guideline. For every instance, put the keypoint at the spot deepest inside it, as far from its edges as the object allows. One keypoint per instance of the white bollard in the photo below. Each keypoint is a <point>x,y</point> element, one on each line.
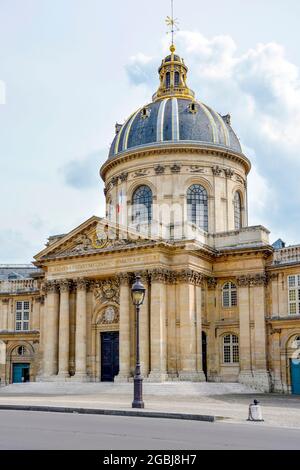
<point>255,412</point>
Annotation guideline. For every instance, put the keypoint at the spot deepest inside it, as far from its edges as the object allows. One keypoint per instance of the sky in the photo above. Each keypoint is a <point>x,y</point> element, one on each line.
<point>71,69</point>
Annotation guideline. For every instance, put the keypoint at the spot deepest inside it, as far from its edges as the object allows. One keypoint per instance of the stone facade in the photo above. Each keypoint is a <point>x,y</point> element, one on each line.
<point>217,304</point>
<point>81,297</point>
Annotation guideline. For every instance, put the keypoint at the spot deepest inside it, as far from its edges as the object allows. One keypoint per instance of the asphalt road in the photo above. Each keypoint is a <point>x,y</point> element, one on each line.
<point>54,431</point>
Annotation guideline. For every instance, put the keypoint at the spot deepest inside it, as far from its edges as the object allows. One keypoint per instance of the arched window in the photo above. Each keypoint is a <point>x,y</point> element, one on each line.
<point>229,295</point>
<point>168,79</point>
<point>176,78</point>
<point>109,209</point>
<point>237,203</point>
<point>142,205</point>
<point>21,351</point>
<point>197,206</point>
<point>230,349</point>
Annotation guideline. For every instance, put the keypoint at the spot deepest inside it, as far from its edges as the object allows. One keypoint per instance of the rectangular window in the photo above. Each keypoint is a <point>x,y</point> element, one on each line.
<point>294,294</point>
<point>22,315</point>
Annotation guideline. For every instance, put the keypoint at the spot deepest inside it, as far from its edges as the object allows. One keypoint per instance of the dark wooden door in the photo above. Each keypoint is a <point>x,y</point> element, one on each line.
<point>204,353</point>
<point>109,356</point>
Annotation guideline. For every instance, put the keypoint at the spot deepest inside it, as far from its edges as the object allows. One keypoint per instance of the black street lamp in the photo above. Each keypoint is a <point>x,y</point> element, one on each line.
<point>138,295</point>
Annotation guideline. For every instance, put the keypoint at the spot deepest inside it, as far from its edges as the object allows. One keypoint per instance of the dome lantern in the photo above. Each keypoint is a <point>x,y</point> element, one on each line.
<point>172,75</point>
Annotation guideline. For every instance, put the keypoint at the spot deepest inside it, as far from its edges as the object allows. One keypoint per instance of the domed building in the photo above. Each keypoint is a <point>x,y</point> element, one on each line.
<point>220,303</point>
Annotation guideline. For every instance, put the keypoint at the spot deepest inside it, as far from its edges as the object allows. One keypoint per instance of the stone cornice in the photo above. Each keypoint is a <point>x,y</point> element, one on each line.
<point>180,148</point>
<point>120,248</point>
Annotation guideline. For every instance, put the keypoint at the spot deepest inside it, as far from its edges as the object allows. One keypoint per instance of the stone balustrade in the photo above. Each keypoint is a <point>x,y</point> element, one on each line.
<point>290,254</point>
<point>16,286</point>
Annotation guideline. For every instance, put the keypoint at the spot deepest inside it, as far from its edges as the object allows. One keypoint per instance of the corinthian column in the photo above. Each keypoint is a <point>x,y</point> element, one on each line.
<point>80,334</point>
<point>158,326</point>
<point>64,333</point>
<point>51,330</point>
<point>188,322</point>
<point>144,327</point>
<point>124,329</point>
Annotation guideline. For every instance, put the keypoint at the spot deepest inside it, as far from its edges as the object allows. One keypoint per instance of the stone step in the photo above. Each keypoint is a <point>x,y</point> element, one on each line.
<point>164,388</point>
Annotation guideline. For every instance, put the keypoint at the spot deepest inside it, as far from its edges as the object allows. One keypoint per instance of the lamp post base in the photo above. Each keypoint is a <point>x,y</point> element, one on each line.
<point>138,404</point>
<point>138,393</point>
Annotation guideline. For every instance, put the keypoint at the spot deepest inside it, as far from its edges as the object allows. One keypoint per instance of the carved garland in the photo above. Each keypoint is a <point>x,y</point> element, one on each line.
<point>107,291</point>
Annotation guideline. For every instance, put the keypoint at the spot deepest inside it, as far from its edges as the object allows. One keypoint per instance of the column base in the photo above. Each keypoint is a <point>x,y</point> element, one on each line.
<point>260,380</point>
<point>46,378</point>
<point>122,378</point>
<point>80,378</point>
<point>246,377</point>
<point>191,376</point>
<point>63,377</point>
<point>157,376</point>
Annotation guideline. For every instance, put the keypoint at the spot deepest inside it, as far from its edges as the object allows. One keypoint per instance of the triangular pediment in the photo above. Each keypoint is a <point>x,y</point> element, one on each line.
<point>94,235</point>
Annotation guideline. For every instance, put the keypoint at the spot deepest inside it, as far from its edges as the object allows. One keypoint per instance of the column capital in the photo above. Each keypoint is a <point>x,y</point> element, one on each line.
<point>40,299</point>
<point>272,277</point>
<point>211,282</point>
<point>51,287</point>
<point>5,300</point>
<point>250,280</point>
<point>190,276</point>
<point>65,285</point>
<point>82,284</point>
<point>158,275</point>
<point>123,278</point>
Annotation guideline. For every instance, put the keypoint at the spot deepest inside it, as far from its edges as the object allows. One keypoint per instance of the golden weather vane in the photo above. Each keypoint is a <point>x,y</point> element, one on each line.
<point>172,23</point>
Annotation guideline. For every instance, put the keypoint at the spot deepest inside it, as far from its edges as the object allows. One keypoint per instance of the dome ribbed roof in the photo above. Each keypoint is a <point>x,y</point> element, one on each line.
<point>174,116</point>
<point>174,120</point>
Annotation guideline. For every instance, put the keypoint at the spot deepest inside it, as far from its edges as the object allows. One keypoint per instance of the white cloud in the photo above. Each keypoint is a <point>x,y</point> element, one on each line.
<point>261,90</point>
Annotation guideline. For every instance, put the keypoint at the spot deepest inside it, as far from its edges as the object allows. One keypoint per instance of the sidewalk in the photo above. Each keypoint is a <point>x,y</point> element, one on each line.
<point>229,401</point>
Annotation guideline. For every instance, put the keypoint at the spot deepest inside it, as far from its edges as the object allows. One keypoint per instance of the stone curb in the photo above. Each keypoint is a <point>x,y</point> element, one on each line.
<point>97,411</point>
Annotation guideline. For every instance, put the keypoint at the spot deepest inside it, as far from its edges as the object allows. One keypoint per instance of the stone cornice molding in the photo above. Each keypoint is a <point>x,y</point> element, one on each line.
<point>186,147</point>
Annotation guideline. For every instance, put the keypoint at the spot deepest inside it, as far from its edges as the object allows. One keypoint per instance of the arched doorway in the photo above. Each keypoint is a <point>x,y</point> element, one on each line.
<point>204,353</point>
<point>295,365</point>
<point>21,361</point>
<point>105,342</point>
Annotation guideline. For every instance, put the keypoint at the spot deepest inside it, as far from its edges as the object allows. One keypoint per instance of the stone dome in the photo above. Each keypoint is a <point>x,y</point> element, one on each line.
<point>174,120</point>
<point>174,117</point>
